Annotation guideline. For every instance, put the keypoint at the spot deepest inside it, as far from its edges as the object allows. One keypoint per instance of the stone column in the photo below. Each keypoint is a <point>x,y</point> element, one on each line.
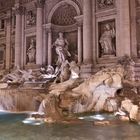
<point>8,39</point>
<point>44,47</point>
<point>87,31</point>
<point>87,67</point>
<point>23,40</point>
<point>123,27</point>
<point>79,20</point>
<point>94,32</point>
<point>18,34</point>
<point>49,47</point>
<point>134,49</point>
<point>39,32</point>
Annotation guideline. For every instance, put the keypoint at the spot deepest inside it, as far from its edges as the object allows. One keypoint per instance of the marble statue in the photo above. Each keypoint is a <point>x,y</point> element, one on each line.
<point>75,70</point>
<point>106,40</point>
<point>18,76</point>
<point>48,72</point>
<point>64,71</point>
<point>26,75</point>
<point>61,48</point>
<point>31,52</point>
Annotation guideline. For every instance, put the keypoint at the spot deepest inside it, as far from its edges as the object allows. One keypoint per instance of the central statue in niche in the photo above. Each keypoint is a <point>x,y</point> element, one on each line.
<point>61,48</point>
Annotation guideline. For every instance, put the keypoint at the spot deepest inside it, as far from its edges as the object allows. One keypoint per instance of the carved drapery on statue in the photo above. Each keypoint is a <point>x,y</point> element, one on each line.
<point>61,47</point>
<point>71,38</point>
<point>107,43</point>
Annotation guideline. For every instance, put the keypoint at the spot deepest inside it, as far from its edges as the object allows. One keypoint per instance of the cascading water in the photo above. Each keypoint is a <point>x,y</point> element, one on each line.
<point>20,100</point>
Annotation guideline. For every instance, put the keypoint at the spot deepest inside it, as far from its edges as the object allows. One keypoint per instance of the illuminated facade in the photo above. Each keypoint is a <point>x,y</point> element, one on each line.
<point>98,31</point>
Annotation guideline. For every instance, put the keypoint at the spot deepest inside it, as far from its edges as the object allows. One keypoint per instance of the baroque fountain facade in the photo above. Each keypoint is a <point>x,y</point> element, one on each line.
<point>64,58</point>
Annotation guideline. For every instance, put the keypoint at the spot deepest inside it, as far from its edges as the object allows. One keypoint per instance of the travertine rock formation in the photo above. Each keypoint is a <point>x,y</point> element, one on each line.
<point>94,94</point>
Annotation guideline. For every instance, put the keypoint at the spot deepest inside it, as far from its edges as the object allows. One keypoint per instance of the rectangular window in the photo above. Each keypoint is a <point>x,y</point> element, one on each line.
<point>2,24</point>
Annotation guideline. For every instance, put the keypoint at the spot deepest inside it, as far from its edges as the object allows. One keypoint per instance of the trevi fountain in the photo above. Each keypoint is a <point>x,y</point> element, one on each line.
<point>69,70</point>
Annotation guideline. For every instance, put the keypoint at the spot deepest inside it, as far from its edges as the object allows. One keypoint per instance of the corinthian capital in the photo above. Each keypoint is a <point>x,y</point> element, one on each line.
<point>39,3</point>
<point>19,10</point>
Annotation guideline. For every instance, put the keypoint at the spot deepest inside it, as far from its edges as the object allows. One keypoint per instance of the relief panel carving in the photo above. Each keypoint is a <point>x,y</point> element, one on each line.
<point>30,18</point>
<point>5,4</point>
<point>104,4</point>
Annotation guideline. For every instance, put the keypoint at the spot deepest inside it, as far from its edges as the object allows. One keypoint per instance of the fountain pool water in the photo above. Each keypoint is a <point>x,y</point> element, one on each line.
<point>12,128</point>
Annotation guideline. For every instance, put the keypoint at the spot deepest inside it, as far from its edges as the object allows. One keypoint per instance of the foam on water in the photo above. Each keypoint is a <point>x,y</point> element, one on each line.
<point>93,117</point>
<point>33,121</point>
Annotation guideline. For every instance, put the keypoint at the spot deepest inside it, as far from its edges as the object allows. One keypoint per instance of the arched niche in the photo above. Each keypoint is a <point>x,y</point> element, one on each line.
<point>62,19</point>
<point>62,3</point>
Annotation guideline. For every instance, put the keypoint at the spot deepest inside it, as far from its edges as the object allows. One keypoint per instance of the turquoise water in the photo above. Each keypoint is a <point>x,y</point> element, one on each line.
<point>12,128</point>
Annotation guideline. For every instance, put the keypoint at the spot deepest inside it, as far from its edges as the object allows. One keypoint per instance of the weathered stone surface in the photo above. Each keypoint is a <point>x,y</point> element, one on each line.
<point>97,89</point>
<point>3,85</point>
<point>132,109</point>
